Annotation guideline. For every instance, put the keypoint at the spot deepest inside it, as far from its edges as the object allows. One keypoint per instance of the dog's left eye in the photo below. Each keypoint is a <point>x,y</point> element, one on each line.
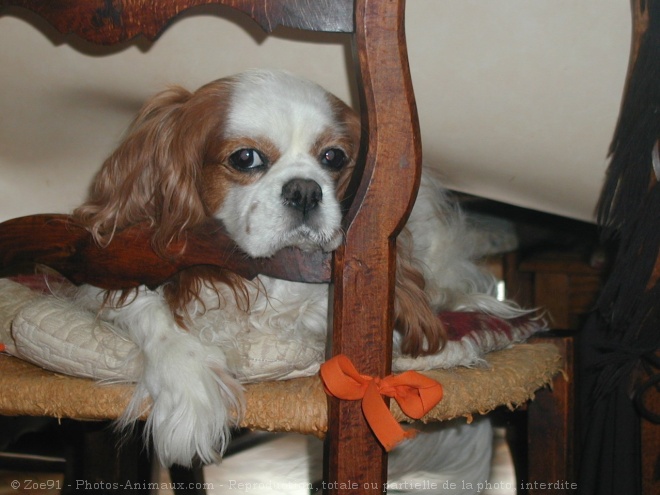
<point>246,159</point>
<point>333,158</point>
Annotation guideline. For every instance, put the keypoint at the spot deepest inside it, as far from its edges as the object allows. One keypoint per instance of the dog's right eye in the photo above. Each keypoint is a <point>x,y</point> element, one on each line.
<point>246,159</point>
<point>333,158</point>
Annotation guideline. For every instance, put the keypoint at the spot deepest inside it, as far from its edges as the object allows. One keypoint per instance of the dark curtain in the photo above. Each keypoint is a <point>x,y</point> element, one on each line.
<point>618,344</point>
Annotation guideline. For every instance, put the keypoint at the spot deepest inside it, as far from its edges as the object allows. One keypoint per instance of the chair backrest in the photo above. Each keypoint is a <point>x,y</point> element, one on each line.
<point>362,269</point>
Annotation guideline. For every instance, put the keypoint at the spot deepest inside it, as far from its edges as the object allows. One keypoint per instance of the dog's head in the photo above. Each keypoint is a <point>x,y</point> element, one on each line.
<point>267,153</point>
<point>262,151</point>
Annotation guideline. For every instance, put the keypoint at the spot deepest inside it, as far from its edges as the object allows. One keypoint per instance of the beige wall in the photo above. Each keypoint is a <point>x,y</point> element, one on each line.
<point>517,99</point>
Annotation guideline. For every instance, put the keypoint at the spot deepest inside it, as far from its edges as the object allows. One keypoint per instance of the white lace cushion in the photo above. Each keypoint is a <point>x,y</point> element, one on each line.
<point>13,297</point>
<point>54,334</point>
<point>270,358</point>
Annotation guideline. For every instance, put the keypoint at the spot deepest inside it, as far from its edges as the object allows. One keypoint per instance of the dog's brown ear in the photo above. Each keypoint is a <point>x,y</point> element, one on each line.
<point>154,174</point>
<point>423,332</point>
<point>352,130</point>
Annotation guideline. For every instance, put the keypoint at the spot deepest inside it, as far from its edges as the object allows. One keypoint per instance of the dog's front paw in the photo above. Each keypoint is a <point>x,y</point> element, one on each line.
<point>195,400</point>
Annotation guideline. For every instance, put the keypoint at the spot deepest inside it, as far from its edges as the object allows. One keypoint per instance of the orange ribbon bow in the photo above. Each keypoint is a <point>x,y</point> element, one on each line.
<point>416,394</point>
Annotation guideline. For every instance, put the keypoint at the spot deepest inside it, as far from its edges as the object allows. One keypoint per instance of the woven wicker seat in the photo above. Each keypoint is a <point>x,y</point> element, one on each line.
<point>299,405</point>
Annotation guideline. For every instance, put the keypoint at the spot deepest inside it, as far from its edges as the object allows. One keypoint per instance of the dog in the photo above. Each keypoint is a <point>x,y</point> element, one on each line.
<point>270,155</point>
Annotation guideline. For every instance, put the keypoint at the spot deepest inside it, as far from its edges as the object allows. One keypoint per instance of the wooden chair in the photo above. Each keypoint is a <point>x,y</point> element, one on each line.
<point>362,270</point>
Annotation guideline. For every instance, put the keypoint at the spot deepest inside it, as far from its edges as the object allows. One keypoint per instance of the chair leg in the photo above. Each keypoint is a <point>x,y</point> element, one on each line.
<point>551,428</point>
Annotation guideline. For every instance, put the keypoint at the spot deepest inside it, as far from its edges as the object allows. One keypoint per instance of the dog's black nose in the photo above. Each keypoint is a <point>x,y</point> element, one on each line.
<point>302,194</point>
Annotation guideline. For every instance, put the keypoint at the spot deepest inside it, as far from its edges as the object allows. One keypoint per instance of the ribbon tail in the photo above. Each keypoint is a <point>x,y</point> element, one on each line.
<point>387,430</point>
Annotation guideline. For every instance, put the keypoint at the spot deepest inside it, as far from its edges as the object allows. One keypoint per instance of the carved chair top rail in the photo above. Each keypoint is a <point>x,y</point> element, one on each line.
<point>107,22</point>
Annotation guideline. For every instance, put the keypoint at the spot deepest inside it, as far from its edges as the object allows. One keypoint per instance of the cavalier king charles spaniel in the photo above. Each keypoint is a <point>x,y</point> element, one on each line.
<point>269,154</point>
